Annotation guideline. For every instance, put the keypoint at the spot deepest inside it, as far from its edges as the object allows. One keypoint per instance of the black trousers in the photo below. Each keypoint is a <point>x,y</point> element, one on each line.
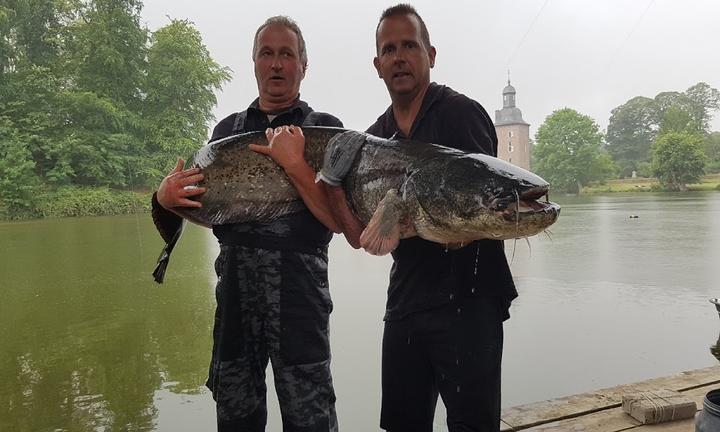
<point>454,351</point>
<point>272,306</point>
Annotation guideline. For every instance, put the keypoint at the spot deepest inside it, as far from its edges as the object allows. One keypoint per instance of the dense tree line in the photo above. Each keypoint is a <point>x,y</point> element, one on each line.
<point>667,137</point>
<point>90,97</point>
<point>639,123</point>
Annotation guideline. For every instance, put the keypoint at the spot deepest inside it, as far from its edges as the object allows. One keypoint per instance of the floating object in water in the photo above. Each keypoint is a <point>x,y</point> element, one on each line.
<point>634,217</point>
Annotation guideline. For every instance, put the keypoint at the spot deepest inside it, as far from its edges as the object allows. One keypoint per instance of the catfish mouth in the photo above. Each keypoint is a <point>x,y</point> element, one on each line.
<point>524,204</point>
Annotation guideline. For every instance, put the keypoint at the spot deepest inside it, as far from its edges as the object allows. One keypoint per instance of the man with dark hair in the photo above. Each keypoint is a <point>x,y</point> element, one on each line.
<point>446,304</point>
<point>443,322</point>
<point>273,301</point>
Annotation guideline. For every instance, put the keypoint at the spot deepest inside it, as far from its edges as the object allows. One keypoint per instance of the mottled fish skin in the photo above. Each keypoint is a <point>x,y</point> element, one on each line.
<point>449,196</point>
<point>243,185</point>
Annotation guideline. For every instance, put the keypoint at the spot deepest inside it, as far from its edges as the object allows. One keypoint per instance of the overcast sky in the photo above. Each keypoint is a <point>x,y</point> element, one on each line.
<point>587,55</point>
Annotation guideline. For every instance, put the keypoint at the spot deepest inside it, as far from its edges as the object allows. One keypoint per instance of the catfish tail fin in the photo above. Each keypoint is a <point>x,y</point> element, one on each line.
<point>164,258</point>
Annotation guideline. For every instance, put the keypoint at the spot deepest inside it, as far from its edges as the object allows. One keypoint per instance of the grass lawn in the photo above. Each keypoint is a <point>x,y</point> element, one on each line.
<point>708,182</point>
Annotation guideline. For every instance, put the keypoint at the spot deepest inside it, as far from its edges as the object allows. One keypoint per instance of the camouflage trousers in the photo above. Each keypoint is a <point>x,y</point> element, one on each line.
<point>272,305</point>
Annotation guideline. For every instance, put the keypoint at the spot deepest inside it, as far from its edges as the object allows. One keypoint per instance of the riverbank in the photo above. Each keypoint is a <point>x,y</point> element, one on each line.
<point>602,411</point>
<point>645,184</point>
<point>78,201</point>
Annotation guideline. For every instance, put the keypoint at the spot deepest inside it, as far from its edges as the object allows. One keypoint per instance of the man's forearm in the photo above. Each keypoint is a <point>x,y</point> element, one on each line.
<point>350,225</point>
<point>313,195</point>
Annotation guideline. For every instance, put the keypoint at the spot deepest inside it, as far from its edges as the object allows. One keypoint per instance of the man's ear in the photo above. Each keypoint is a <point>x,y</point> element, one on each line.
<point>305,66</point>
<point>432,52</point>
<point>376,63</point>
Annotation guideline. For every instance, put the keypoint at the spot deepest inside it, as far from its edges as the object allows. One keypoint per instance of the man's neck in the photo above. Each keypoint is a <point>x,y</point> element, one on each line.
<point>271,107</point>
<point>406,109</point>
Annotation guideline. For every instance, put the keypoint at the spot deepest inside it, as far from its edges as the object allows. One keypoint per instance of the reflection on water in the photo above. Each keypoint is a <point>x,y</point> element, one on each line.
<point>86,338</point>
<point>89,343</point>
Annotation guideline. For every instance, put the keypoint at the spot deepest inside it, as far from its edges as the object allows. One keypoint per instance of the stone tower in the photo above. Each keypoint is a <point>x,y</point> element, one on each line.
<point>512,131</point>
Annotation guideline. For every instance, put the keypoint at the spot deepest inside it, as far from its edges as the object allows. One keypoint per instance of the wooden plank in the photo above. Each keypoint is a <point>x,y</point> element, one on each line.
<point>616,420</point>
<point>526,416</point>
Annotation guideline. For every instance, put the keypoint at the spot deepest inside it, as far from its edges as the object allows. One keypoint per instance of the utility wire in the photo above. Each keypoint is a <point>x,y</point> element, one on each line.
<point>627,38</point>
<point>517,48</point>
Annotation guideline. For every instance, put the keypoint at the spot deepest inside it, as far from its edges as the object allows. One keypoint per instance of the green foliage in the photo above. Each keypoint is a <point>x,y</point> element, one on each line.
<point>677,119</point>
<point>88,97</point>
<point>569,153</point>
<point>180,88</point>
<point>703,101</point>
<point>107,50</point>
<point>18,182</point>
<point>678,159</point>
<point>97,201</point>
<point>635,125</point>
<point>631,131</point>
<point>712,152</point>
<point>7,48</point>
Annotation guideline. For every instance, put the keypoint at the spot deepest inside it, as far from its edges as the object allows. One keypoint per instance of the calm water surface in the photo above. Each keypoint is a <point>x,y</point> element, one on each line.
<point>89,343</point>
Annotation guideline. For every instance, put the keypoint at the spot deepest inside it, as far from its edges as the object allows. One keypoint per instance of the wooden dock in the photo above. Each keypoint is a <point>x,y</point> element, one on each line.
<point>601,411</point>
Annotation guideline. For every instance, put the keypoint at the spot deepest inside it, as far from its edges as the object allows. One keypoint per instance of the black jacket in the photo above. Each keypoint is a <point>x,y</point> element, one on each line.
<point>425,275</point>
<point>305,228</point>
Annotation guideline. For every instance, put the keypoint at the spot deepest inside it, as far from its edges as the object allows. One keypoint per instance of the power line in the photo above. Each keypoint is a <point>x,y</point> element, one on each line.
<point>512,56</point>
<point>629,35</point>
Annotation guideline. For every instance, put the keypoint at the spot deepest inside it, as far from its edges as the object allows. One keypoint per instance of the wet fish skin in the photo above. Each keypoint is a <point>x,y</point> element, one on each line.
<point>445,195</point>
<point>243,185</point>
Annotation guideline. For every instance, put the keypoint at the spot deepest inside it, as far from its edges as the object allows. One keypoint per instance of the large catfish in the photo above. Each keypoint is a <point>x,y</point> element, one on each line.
<point>440,194</point>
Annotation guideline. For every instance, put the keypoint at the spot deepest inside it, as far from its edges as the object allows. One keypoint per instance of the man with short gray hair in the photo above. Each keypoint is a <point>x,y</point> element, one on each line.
<point>273,299</point>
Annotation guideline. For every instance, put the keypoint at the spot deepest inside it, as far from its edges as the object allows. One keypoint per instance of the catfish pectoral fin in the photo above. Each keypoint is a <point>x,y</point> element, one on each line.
<point>382,234</point>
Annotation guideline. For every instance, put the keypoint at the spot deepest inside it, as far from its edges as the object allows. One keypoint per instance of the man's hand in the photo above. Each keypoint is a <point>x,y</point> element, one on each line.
<point>286,146</point>
<point>173,192</point>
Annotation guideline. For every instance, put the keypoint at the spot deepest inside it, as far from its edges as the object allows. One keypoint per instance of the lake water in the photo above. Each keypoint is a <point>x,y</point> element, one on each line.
<point>89,343</point>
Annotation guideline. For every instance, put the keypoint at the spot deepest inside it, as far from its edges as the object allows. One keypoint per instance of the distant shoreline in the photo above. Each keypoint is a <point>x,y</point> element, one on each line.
<point>102,201</point>
<point>73,201</point>
<point>648,184</point>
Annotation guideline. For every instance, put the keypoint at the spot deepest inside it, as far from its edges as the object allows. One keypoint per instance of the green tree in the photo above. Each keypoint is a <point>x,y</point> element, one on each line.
<point>7,46</point>
<point>634,126</point>
<point>678,159</point>
<point>712,152</point>
<point>703,101</point>
<point>88,99</point>
<point>18,181</point>
<point>677,119</point>
<point>106,63</point>
<point>35,109</point>
<point>569,152</point>
<point>180,94</point>
<point>38,28</point>
<point>107,50</point>
<point>631,130</point>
